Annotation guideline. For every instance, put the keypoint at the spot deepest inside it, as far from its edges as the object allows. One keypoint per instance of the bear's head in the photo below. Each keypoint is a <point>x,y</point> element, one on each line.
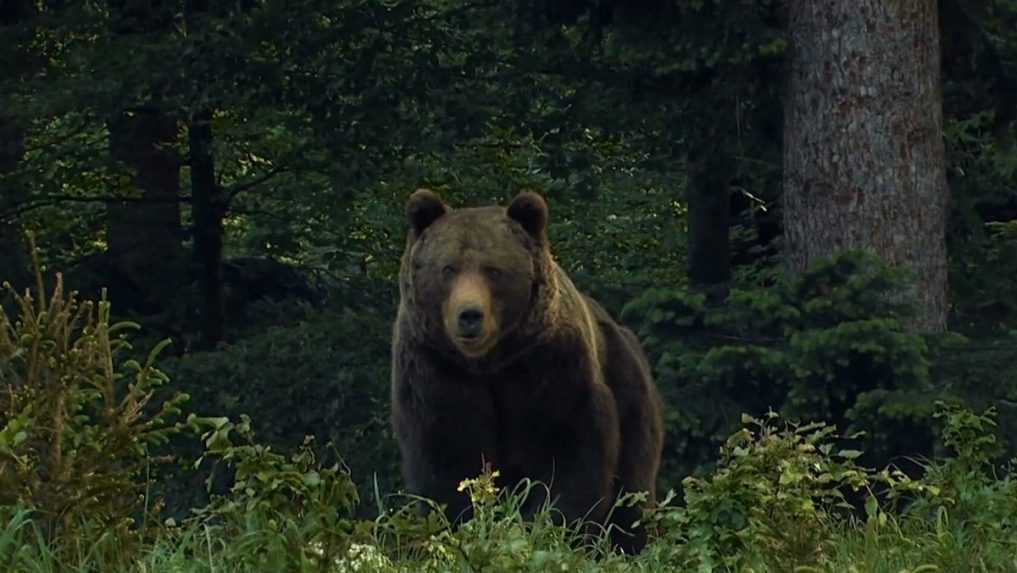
<point>473,278</point>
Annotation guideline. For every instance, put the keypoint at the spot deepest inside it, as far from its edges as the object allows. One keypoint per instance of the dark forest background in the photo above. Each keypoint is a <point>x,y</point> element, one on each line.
<point>234,174</point>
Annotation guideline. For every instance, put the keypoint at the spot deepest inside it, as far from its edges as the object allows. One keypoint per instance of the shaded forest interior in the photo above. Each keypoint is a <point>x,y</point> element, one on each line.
<point>234,174</point>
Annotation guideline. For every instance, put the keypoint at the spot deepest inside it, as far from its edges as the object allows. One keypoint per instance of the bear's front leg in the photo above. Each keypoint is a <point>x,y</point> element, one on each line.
<point>586,459</point>
<point>571,444</point>
<point>445,429</point>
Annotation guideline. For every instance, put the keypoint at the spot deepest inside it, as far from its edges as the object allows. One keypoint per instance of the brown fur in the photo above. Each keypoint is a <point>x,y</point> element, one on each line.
<point>550,387</point>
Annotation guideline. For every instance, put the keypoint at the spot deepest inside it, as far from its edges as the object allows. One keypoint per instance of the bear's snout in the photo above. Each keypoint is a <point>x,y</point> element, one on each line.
<point>469,319</point>
<point>471,322</point>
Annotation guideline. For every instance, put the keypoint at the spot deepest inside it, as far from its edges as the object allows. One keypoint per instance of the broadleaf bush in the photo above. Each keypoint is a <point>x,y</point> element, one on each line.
<point>777,495</point>
<point>292,512</point>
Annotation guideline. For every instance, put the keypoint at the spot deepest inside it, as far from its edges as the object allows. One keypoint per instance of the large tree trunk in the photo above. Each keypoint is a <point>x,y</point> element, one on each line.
<point>863,147</point>
<point>144,236</point>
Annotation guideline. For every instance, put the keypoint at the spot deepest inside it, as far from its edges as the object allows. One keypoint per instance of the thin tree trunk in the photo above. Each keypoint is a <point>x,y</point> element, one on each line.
<point>863,147</point>
<point>208,205</point>
<point>207,210</point>
<point>709,203</point>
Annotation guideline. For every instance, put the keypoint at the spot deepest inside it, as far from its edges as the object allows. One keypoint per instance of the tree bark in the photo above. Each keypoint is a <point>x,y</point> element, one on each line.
<point>208,209</point>
<point>863,146</point>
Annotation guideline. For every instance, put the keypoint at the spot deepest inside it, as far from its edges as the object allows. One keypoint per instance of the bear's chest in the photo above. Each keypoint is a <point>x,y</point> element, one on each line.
<point>531,407</point>
<point>528,408</point>
<point>529,391</point>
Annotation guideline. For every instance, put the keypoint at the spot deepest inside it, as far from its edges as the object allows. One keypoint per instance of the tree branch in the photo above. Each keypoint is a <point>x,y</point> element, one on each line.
<point>239,188</point>
<point>60,139</point>
<point>19,209</point>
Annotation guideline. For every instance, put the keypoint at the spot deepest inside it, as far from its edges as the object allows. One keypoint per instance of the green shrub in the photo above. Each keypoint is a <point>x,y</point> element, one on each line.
<point>967,485</point>
<point>787,497</point>
<point>959,515</point>
<point>287,513</point>
<point>777,495</point>
<point>817,347</point>
<point>781,499</point>
<point>77,432</point>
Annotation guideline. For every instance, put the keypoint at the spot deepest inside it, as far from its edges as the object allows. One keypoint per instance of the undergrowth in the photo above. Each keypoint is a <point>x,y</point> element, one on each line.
<point>784,498</point>
<point>81,428</point>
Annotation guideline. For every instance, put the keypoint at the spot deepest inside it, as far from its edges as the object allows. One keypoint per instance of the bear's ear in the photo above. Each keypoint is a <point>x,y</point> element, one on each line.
<point>423,208</point>
<point>530,211</point>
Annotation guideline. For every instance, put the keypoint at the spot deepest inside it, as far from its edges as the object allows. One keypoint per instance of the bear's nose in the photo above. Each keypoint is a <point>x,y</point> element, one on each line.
<point>471,320</point>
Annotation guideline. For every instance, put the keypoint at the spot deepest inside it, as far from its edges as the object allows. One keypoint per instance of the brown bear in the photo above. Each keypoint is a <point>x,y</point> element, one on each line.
<point>498,358</point>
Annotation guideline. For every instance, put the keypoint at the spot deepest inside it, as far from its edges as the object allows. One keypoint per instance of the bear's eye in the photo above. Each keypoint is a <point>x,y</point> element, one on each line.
<point>448,271</point>
<point>493,273</point>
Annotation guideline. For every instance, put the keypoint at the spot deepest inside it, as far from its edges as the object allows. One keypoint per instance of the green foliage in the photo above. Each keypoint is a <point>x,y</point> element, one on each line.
<point>980,372</point>
<point>76,431</point>
<point>983,242</point>
<point>827,345</point>
<point>786,497</point>
<point>960,501</point>
<point>980,45</point>
<point>292,513</point>
<point>778,493</point>
<point>781,499</point>
<point>971,436</point>
<point>319,373</point>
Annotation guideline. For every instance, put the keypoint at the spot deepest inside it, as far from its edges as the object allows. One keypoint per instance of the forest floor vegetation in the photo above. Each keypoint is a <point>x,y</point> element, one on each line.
<point>85,429</point>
